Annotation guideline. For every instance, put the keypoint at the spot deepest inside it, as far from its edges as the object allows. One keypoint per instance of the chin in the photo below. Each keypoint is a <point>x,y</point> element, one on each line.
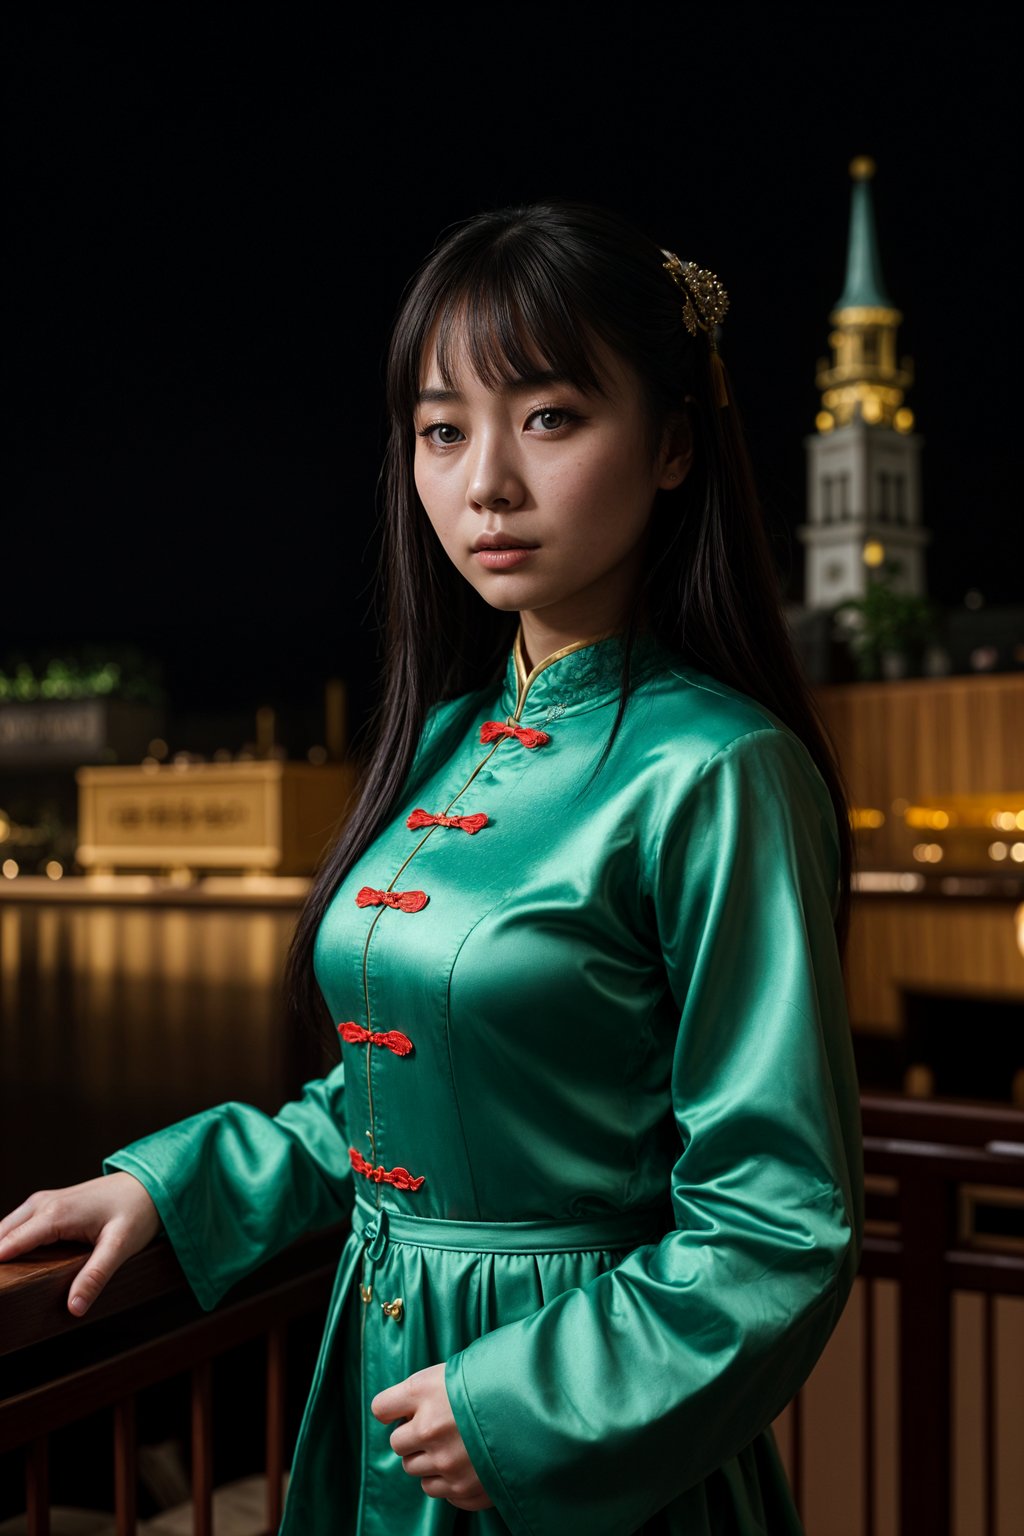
<point>503,589</point>
<point>504,603</point>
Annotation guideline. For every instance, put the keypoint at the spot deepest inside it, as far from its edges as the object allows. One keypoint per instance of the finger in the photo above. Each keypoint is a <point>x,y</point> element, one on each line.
<point>437,1488</point>
<point>107,1256</point>
<point>387,1408</point>
<point>420,1464</point>
<point>406,1439</point>
<point>36,1232</point>
<point>16,1217</point>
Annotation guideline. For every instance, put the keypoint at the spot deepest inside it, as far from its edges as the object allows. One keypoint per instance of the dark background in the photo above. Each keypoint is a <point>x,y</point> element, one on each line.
<point>210,218</point>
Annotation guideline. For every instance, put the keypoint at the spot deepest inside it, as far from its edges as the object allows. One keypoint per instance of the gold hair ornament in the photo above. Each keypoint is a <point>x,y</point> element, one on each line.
<point>706,305</point>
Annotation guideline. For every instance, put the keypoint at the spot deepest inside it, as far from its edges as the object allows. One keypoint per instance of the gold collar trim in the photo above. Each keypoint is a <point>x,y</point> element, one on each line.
<point>524,678</point>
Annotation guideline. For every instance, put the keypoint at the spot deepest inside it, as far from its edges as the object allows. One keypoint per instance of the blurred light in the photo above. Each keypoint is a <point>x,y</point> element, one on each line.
<point>919,1081</point>
<point>974,599</point>
<point>883,880</point>
<point>997,851</point>
<point>9,869</point>
<point>157,747</point>
<point>317,755</point>
<point>871,410</point>
<point>922,816</point>
<point>824,421</point>
<point>1017,853</point>
<point>54,869</point>
<point>873,552</point>
<point>903,421</point>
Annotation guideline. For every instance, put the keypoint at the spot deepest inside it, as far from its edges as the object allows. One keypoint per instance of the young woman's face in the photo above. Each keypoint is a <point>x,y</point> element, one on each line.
<point>542,464</point>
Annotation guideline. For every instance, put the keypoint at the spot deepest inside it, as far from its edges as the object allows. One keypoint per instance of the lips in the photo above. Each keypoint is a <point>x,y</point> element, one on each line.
<point>501,541</point>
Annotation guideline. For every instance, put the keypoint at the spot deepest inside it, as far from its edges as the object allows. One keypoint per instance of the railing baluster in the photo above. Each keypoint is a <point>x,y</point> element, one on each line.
<point>202,1448</point>
<point>37,1487</point>
<point>867,1290</point>
<point>989,1410</point>
<point>796,1438</point>
<point>125,1478</point>
<point>277,1342</point>
<point>924,1371</point>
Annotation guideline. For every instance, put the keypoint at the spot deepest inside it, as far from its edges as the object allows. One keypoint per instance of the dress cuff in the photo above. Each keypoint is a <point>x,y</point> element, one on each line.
<point>470,1429</point>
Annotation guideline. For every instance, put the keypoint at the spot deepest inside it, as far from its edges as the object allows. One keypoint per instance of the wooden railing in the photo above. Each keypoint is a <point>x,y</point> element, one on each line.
<point>144,1328</point>
<point>900,1429</point>
<point>945,1214</point>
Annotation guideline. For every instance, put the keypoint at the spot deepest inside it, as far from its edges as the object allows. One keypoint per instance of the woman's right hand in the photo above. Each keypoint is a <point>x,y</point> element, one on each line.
<point>114,1212</point>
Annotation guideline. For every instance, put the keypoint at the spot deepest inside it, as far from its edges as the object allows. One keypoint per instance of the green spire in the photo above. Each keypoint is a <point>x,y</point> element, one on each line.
<point>864,286</point>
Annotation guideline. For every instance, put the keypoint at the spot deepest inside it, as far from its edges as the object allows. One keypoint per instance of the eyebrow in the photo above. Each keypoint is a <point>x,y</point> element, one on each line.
<point>519,386</point>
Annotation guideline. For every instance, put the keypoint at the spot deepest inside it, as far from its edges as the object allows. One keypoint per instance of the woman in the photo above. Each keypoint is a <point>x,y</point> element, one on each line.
<point>595,1117</point>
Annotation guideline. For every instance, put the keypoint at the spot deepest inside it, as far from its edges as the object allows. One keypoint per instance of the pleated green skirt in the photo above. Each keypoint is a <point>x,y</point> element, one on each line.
<point>456,1280</point>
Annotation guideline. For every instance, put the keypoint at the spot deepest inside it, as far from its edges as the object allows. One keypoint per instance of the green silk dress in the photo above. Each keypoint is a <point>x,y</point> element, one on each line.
<point>595,1117</point>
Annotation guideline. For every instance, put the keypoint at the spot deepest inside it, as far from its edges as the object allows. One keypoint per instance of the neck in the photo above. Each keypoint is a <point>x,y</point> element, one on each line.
<point>533,651</point>
<point>537,640</point>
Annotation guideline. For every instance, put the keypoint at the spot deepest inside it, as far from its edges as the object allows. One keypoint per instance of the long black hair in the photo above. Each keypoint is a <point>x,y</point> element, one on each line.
<point>548,278</point>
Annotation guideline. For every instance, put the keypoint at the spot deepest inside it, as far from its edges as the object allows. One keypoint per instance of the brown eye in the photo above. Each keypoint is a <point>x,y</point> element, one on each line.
<point>441,433</point>
<point>551,419</point>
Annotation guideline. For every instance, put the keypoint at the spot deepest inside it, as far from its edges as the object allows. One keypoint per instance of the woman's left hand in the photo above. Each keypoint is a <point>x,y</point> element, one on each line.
<point>428,1438</point>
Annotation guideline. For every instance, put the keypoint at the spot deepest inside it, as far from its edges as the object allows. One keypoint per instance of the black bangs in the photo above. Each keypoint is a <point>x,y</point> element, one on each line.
<point>510,310</point>
<point>514,322</point>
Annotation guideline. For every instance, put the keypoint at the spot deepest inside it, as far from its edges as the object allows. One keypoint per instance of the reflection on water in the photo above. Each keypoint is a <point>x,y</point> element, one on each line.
<point>117,1019</point>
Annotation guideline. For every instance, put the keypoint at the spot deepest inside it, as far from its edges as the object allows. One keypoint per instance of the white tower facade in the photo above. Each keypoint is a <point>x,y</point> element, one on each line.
<point>863,460</point>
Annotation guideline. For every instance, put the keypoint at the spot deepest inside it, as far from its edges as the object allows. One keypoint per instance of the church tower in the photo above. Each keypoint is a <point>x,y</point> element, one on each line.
<point>863,481</point>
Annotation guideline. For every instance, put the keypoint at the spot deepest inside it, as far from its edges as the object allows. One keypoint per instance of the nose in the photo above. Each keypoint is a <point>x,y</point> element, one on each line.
<point>494,479</point>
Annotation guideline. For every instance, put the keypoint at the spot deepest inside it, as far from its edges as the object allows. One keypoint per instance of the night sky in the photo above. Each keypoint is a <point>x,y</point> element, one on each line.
<point>210,219</point>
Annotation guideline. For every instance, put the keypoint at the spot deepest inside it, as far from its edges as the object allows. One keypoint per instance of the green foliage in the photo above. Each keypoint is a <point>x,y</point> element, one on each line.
<point>886,620</point>
<point>82,672</point>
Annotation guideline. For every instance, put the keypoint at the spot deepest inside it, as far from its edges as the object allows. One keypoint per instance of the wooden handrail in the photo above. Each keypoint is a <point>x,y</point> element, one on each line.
<point>160,1331</point>
<point>34,1287</point>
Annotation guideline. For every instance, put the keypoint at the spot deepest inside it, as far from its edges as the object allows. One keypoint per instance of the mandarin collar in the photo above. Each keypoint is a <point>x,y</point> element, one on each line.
<point>574,678</point>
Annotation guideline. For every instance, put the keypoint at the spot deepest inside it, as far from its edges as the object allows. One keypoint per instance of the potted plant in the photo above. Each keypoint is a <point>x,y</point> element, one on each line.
<point>92,703</point>
<point>887,630</point>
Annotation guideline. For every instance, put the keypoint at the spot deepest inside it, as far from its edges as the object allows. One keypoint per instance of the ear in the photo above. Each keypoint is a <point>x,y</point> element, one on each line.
<point>676,455</point>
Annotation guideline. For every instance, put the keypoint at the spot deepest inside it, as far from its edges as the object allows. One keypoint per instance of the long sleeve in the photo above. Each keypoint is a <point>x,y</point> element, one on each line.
<point>595,1411</point>
<point>234,1186</point>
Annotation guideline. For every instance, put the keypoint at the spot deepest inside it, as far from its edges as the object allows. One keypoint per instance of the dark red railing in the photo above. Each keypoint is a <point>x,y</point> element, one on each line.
<point>177,1337</point>
<point>945,1214</point>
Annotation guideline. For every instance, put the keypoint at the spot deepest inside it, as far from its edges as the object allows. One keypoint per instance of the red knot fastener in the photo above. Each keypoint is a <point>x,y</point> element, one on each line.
<point>492,729</point>
<point>406,901</point>
<point>401,1178</point>
<point>393,1039</point>
<point>420,818</point>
